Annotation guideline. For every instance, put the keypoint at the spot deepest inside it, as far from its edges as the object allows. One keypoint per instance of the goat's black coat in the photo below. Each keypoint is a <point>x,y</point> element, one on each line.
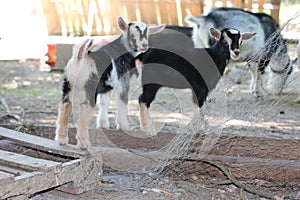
<point>198,69</point>
<point>66,88</point>
<point>188,31</point>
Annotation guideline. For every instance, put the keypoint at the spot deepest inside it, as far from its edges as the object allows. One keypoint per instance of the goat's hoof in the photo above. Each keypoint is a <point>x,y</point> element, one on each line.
<point>257,94</point>
<point>103,124</point>
<point>83,144</point>
<point>150,130</point>
<point>123,126</point>
<point>61,140</point>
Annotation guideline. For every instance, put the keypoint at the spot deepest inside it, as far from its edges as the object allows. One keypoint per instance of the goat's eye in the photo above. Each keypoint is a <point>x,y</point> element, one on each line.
<point>225,41</point>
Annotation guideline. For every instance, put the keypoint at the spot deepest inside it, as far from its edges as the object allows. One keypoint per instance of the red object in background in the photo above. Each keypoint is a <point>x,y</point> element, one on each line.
<point>51,55</point>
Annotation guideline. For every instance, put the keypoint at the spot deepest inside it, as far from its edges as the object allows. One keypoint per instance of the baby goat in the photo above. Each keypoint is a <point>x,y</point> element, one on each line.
<point>268,49</point>
<point>98,72</point>
<point>196,68</point>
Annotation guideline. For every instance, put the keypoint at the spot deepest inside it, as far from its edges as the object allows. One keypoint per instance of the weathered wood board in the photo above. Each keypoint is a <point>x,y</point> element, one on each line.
<point>22,175</point>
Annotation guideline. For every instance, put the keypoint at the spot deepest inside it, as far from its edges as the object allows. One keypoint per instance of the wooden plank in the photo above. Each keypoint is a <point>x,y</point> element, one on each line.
<point>249,5</point>
<point>84,172</point>
<point>12,171</point>
<point>6,178</point>
<point>41,143</point>
<point>26,162</point>
<point>14,147</point>
<point>261,5</point>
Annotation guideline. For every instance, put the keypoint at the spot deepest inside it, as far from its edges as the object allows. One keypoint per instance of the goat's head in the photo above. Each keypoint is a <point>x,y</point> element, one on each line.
<point>137,34</point>
<point>233,38</point>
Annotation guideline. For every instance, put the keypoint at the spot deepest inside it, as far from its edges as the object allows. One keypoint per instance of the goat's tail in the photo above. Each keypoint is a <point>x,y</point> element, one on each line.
<point>80,50</point>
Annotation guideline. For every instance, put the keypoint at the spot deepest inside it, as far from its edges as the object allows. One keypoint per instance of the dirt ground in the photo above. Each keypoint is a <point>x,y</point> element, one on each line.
<point>32,92</point>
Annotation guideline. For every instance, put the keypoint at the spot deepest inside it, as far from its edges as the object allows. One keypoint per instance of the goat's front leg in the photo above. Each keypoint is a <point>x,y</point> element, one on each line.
<point>64,112</point>
<point>145,120</point>
<point>121,95</point>
<point>255,79</point>
<point>102,119</point>
<point>145,99</point>
<point>84,118</point>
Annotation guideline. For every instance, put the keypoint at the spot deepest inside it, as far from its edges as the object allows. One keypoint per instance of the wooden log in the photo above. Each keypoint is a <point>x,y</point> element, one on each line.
<point>242,168</point>
<point>256,147</point>
<point>248,168</point>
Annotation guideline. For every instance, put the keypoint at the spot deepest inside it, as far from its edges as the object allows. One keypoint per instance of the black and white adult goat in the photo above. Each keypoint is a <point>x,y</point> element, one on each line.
<point>268,49</point>
<point>196,68</point>
<point>98,72</point>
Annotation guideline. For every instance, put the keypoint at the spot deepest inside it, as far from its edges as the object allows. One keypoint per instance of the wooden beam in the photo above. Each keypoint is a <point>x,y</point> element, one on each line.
<point>249,168</point>
<point>12,171</point>
<point>42,143</point>
<point>6,178</point>
<point>26,162</point>
<point>83,172</point>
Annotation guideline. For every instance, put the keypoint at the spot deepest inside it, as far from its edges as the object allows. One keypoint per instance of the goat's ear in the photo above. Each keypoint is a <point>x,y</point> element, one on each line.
<point>191,20</point>
<point>247,36</point>
<point>156,29</point>
<point>123,26</point>
<point>215,33</point>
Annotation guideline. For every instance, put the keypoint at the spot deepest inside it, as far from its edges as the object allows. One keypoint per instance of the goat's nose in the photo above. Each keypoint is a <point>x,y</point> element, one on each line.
<point>237,53</point>
<point>145,45</point>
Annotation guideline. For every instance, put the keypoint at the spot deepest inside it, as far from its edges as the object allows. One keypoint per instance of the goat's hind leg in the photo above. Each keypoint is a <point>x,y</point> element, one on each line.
<point>64,112</point>
<point>84,118</point>
<point>86,112</point>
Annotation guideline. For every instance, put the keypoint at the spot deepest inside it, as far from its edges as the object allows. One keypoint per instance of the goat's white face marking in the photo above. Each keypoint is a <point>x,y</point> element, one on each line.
<point>138,35</point>
<point>234,40</point>
<point>233,31</point>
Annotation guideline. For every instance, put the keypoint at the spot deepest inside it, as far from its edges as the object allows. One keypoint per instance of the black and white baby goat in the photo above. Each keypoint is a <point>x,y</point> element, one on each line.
<point>98,72</point>
<point>197,68</point>
<point>268,49</point>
